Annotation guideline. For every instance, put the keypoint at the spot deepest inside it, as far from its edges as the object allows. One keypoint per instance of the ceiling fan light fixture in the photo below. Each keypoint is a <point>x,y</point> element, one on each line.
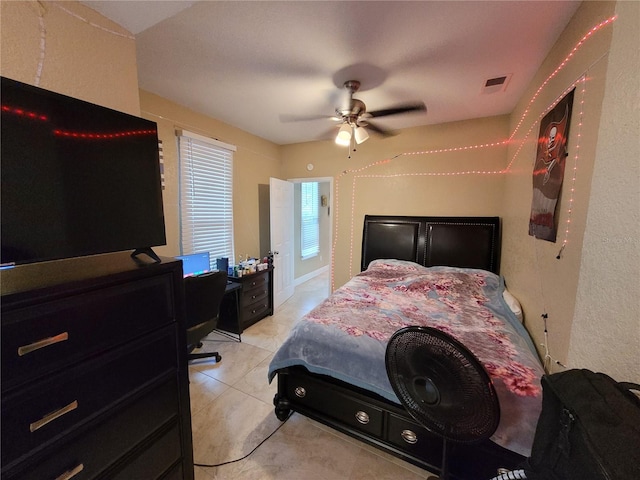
<point>360,134</point>
<point>344,135</point>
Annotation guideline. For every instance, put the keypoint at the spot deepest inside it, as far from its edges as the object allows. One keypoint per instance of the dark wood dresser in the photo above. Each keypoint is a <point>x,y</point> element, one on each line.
<point>94,370</point>
<point>255,301</point>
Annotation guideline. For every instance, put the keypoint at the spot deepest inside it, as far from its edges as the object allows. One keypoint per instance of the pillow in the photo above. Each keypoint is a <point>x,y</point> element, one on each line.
<point>513,304</point>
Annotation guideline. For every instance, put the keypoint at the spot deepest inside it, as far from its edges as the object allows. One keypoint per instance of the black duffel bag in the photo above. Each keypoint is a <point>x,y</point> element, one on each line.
<point>589,429</point>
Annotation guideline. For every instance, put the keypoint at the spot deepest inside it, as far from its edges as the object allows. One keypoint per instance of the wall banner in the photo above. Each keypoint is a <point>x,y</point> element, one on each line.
<point>548,170</point>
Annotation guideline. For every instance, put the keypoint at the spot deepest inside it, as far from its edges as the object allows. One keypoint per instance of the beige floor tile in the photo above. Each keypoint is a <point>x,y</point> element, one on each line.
<point>369,465</point>
<point>297,451</point>
<point>238,359</point>
<point>255,383</point>
<point>232,412</point>
<point>230,427</point>
<point>203,389</point>
<point>267,334</point>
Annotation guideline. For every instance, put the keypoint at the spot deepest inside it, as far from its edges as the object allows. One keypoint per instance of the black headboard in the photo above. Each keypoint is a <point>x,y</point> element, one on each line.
<point>472,242</point>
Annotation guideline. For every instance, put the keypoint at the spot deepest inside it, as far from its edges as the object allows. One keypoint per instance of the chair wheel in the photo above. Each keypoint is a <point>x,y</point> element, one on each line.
<point>218,358</point>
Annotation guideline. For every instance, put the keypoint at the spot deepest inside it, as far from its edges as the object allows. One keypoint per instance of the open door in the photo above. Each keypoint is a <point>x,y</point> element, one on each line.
<point>281,226</point>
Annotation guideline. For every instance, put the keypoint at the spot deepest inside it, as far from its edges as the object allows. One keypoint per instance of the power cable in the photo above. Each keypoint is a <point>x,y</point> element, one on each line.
<point>247,455</point>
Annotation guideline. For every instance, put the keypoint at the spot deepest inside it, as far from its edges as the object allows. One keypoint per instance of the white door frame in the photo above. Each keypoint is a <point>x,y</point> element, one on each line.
<point>331,209</point>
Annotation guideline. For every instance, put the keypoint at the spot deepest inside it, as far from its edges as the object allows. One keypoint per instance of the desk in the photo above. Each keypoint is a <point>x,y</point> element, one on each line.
<point>229,321</point>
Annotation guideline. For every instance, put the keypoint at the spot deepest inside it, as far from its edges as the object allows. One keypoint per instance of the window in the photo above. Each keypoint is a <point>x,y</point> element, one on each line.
<point>206,196</point>
<point>310,231</point>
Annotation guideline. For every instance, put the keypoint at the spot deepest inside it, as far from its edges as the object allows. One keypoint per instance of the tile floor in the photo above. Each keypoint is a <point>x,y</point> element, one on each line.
<point>232,412</point>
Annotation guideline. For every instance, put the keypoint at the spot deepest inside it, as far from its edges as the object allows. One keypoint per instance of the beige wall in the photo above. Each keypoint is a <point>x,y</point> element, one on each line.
<point>372,181</point>
<point>53,46</point>
<point>254,161</point>
<point>590,294</point>
<point>593,314</point>
<point>543,283</point>
<point>605,334</point>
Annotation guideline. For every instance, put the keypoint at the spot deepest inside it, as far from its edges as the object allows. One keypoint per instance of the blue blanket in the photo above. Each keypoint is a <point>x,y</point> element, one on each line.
<point>345,337</point>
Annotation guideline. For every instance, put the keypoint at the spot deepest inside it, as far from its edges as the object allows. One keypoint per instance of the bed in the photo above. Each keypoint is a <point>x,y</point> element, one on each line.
<point>441,272</point>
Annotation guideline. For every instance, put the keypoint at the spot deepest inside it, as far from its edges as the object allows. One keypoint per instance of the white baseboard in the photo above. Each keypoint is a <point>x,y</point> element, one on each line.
<point>310,275</point>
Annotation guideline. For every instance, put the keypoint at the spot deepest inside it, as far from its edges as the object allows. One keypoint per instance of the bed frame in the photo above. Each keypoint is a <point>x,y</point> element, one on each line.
<point>472,242</point>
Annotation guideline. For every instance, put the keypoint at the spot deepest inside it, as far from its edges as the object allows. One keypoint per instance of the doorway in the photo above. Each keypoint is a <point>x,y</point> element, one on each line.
<point>306,268</point>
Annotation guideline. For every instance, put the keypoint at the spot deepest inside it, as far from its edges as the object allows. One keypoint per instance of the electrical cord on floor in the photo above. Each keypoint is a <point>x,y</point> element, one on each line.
<point>256,447</point>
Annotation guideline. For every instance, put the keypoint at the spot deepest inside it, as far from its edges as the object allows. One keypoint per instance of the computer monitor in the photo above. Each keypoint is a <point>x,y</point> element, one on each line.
<point>195,264</point>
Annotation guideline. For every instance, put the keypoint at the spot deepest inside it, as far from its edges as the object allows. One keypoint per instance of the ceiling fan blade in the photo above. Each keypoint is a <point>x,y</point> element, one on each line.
<point>329,134</point>
<point>406,108</point>
<point>285,118</point>
<point>377,129</point>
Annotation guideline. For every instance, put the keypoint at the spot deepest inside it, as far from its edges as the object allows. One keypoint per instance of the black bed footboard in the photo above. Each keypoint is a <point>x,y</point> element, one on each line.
<point>385,425</point>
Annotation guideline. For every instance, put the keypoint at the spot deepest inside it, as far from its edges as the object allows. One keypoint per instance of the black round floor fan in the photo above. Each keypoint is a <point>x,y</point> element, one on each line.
<point>442,385</point>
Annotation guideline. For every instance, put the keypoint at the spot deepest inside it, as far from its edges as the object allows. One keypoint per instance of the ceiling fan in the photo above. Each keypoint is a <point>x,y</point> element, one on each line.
<point>356,119</point>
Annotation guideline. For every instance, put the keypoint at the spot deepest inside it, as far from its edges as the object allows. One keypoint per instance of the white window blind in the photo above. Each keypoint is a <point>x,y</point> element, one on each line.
<point>310,231</point>
<point>206,196</point>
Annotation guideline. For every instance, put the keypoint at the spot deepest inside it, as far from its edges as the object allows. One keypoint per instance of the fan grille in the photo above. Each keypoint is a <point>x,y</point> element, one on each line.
<point>442,384</point>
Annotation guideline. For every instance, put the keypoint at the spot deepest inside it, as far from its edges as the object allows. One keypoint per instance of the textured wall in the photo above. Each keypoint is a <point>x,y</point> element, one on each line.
<point>422,171</point>
<point>605,334</point>
<point>255,160</point>
<point>543,283</point>
<point>69,48</point>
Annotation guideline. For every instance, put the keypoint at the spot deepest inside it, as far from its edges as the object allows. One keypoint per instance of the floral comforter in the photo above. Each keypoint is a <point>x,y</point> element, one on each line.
<point>345,337</point>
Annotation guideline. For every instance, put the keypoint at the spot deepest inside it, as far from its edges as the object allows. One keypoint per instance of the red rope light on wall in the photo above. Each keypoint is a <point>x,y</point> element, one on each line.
<point>525,115</point>
<point>103,136</point>
<point>560,67</point>
<point>24,113</point>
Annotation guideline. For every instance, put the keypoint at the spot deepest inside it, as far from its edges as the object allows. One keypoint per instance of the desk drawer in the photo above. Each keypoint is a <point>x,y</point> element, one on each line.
<point>255,294</point>
<point>257,309</point>
<point>57,405</point>
<point>47,336</point>
<point>110,442</point>
<point>255,280</point>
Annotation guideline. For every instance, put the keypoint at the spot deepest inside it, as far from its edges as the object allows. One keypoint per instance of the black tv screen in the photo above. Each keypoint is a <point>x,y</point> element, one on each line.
<point>77,178</point>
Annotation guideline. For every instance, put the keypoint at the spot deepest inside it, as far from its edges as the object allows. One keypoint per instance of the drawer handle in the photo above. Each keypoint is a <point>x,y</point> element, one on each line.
<point>409,437</point>
<point>362,417</point>
<point>42,343</point>
<point>71,473</point>
<point>300,392</point>
<point>52,416</point>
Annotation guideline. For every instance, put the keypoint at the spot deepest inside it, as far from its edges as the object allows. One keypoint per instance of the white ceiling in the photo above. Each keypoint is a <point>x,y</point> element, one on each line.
<point>254,65</point>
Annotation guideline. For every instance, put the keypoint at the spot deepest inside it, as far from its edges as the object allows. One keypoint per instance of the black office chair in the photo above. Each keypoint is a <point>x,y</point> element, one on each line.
<point>203,297</point>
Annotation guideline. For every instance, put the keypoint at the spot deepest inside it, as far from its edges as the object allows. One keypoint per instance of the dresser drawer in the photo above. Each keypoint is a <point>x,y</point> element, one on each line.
<point>110,443</point>
<point>154,461</point>
<point>50,408</point>
<point>39,339</point>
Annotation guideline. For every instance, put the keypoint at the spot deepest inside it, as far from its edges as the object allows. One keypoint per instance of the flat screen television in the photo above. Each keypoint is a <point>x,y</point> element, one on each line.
<point>77,178</point>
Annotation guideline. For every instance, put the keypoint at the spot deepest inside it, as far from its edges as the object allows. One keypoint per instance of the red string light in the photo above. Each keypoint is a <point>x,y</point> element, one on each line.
<point>24,113</point>
<point>524,116</point>
<point>103,136</point>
